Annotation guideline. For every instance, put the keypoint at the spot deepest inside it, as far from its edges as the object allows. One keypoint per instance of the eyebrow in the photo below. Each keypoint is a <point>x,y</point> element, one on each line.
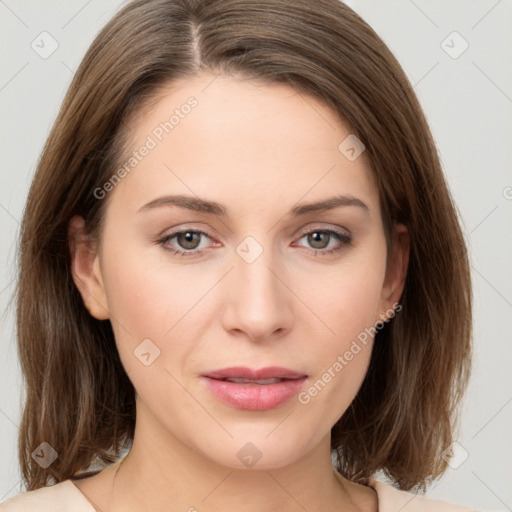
<point>201,205</point>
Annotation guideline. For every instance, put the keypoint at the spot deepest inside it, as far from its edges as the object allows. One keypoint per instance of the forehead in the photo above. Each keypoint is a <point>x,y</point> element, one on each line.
<point>259,143</point>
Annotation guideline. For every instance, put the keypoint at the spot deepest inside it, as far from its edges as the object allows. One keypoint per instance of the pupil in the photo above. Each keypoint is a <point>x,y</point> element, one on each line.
<point>316,237</point>
<point>186,240</point>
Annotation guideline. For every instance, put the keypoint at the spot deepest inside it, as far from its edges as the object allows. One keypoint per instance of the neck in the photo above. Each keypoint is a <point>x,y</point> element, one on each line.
<point>161,473</point>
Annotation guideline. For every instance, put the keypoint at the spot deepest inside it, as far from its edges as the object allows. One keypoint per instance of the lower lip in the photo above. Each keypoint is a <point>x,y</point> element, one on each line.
<point>254,397</point>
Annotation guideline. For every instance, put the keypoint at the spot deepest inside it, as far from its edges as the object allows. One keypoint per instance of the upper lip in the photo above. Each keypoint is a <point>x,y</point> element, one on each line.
<point>270,372</point>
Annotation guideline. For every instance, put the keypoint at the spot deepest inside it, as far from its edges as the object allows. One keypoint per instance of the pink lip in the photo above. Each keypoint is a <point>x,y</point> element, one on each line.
<point>254,396</point>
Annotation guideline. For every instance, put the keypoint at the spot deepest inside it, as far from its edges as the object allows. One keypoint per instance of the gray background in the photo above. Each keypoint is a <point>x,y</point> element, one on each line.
<point>468,101</point>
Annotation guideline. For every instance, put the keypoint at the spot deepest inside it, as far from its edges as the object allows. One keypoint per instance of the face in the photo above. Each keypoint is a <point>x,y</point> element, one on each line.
<point>242,264</point>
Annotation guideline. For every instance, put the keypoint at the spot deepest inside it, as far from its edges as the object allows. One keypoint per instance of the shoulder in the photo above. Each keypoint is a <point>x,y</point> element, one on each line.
<point>61,497</point>
<point>391,499</point>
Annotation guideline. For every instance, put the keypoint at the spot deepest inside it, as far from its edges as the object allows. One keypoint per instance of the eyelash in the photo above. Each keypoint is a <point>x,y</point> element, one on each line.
<point>341,237</point>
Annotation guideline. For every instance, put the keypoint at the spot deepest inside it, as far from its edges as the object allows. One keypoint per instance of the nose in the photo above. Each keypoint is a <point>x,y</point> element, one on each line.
<point>258,302</point>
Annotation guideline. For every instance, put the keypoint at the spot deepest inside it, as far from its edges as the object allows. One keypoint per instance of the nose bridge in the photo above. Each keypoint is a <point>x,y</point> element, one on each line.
<point>259,302</point>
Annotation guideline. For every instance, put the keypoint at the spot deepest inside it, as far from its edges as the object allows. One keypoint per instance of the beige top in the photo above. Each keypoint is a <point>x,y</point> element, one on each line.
<point>66,497</point>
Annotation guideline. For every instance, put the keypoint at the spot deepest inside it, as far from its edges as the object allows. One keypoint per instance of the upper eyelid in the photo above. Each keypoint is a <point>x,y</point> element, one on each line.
<point>323,228</point>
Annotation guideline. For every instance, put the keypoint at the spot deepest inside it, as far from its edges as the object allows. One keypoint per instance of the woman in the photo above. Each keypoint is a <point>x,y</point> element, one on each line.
<point>241,264</point>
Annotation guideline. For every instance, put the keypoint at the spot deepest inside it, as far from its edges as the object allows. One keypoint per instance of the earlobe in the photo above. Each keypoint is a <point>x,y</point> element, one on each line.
<point>396,271</point>
<point>85,269</point>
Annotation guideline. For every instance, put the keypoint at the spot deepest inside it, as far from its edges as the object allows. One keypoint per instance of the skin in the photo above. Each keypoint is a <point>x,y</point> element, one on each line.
<point>259,150</point>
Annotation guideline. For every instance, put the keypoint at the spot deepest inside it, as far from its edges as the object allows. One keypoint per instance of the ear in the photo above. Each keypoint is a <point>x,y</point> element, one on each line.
<point>396,271</point>
<point>85,269</point>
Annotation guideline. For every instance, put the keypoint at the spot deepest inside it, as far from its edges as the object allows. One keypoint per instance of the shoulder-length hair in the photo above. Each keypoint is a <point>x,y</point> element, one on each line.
<point>78,396</point>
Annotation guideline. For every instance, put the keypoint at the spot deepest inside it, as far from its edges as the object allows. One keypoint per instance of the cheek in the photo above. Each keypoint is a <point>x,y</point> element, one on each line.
<point>146,295</point>
<point>348,305</point>
<point>145,304</point>
<point>345,298</point>
<point>341,358</point>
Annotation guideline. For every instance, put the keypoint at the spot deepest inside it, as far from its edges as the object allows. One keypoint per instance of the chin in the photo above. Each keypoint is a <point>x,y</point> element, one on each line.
<point>257,451</point>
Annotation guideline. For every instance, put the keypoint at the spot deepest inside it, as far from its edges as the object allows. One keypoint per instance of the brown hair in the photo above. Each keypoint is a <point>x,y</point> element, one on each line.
<point>78,396</point>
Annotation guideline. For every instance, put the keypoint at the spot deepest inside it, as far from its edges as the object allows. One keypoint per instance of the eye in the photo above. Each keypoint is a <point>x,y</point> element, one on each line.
<point>187,242</point>
<point>326,241</point>
<point>188,239</point>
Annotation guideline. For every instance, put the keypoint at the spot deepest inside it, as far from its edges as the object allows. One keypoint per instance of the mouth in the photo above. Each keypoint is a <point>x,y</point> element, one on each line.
<point>262,382</point>
<point>255,390</point>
